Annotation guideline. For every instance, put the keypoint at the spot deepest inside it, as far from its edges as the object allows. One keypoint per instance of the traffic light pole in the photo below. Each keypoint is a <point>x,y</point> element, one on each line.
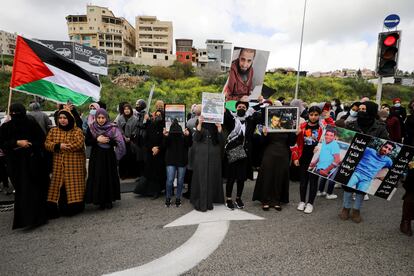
<point>379,91</point>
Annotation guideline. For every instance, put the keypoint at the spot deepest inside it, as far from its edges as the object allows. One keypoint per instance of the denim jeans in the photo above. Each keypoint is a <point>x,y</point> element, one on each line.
<point>170,179</point>
<point>359,198</point>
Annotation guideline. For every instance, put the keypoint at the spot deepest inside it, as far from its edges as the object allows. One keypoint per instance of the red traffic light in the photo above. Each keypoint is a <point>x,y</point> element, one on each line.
<point>391,39</point>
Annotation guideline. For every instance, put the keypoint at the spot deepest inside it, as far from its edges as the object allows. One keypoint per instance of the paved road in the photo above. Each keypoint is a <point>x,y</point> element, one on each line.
<point>285,243</point>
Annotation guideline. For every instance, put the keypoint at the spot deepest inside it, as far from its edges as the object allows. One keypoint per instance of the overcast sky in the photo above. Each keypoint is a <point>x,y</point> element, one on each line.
<point>338,33</point>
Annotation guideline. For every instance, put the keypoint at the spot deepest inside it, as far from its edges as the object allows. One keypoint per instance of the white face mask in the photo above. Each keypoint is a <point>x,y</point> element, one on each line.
<point>333,103</point>
<point>397,104</point>
<point>353,113</point>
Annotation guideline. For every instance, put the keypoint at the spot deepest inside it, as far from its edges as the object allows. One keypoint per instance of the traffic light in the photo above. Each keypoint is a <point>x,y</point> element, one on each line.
<point>387,57</point>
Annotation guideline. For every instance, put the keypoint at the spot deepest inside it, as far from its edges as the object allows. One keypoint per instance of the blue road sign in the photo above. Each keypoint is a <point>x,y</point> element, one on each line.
<point>391,21</point>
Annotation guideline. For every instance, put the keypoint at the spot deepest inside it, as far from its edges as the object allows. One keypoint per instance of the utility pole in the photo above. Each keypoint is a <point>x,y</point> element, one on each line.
<point>300,51</point>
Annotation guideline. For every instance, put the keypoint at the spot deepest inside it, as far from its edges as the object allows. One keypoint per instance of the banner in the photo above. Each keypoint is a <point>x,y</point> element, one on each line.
<point>212,107</point>
<point>361,162</point>
<point>90,59</point>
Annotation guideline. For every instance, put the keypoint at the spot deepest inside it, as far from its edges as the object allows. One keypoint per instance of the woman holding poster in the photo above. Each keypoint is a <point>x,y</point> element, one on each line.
<point>206,183</point>
<point>366,123</point>
<point>272,185</point>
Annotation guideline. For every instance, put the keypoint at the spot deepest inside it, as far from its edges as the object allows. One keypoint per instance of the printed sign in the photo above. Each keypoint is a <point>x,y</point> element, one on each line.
<point>174,114</point>
<point>212,107</point>
<point>282,119</point>
<point>246,74</point>
<point>361,162</point>
<point>90,59</point>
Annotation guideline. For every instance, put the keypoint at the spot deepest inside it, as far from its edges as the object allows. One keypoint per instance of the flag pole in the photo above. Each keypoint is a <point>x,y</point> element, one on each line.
<point>9,103</point>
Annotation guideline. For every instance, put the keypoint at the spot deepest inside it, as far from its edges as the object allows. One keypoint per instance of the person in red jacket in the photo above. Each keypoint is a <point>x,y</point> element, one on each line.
<point>308,137</point>
<point>240,80</point>
<point>394,126</point>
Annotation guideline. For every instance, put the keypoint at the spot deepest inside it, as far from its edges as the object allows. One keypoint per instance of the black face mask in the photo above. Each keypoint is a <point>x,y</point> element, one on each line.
<point>241,112</point>
<point>139,108</point>
<point>158,119</point>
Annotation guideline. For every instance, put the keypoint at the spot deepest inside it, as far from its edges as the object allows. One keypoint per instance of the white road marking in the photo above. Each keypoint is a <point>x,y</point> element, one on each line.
<point>212,228</point>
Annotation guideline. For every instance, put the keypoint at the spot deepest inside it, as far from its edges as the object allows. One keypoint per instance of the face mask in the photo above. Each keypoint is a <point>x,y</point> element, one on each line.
<point>241,112</point>
<point>397,104</point>
<point>139,108</point>
<point>333,103</point>
<point>92,112</point>
<point>353,113</point>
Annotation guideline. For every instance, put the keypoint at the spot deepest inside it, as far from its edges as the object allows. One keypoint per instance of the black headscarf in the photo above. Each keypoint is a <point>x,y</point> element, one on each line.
<point>71,120</point>
<point>17,111</point>
<point>212,130</point>
<point>367,119</point>
<point>131,113</point>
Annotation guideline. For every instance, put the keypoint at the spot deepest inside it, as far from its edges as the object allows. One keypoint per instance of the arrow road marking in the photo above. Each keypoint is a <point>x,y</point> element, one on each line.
<point>211,230</point>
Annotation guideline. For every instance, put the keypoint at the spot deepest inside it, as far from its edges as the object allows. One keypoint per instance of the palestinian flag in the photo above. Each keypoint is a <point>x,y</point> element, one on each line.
<point>40,71</point>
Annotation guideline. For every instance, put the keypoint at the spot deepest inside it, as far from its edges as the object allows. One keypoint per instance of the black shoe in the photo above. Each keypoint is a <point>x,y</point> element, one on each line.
<point>265,207</point>
<point>168,202</point>
<point>229,204</point>
<point>177,202</point>
<point>239,203</point>
<point>278,208</point>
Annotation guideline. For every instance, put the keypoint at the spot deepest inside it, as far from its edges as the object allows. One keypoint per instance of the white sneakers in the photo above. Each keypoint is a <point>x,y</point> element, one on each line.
<point>331,196</point>
<point>306,208</point>
<point>321,193</point>
<point>301,206</point>
<point>366,197</point>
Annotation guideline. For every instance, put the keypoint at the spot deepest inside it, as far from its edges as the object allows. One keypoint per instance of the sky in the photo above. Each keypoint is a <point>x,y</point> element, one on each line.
<point>338,34</point>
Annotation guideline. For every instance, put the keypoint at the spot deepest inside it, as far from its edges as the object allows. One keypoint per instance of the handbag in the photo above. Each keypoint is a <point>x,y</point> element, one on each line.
<point>236,154</point>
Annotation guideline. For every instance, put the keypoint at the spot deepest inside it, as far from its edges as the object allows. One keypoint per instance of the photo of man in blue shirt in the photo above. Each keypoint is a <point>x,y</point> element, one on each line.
<point>371,163</point>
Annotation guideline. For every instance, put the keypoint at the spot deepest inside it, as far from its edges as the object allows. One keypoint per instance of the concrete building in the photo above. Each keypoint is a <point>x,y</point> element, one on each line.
<point>7,42</point>
<point>101,29</point>
<point>183,50</point>
<point>154,43</point>
<point>219,54</point>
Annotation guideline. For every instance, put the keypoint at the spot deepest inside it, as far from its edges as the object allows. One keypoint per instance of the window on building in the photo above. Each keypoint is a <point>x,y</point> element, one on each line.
<point>80,28</point>
<point>90,28</point>
<point>166,57</point>
<point>215,47</point>
<point>187,57</point>
<point>103,11</point>
<point>154,56</point>
<point>91,10</point>
<point>94,19</point>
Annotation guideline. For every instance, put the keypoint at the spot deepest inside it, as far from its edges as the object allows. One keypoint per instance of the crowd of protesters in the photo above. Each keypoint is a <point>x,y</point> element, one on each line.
<point>47,165</point>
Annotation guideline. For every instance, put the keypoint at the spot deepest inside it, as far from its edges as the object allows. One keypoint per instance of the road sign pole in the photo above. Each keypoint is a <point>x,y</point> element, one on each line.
<point>379,91</point>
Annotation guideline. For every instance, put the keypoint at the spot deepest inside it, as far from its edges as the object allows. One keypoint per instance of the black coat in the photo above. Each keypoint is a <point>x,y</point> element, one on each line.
<point>27,170</point>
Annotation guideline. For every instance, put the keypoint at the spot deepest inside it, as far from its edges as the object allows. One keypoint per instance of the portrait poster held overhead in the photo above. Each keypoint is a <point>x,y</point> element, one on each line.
<point>212,107</point>
<point>282,119</point>
<point>174,114</point>
<point>246,74</point>
<point>361,162</point>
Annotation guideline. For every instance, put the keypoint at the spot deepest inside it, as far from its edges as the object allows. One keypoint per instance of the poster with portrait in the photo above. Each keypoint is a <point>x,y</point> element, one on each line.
<point>247,71</point>
<point>282,119</point>
<point>212,107</point>
<point>361,162</point>
<point>174,113</point>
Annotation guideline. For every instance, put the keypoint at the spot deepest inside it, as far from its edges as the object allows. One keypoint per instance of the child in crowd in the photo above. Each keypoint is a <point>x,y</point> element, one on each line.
<point>308,137</point>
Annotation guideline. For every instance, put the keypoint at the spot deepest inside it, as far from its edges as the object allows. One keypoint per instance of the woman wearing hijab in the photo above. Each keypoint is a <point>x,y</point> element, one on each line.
<point>22,140</point>
<point>241,127</point>
<point>365,123</point>
<point>128,124</point>
<point>67,189</point>
<point>108,146</point>
<point>93,107</point>
<point>154,172</point>
<point>206,183</point>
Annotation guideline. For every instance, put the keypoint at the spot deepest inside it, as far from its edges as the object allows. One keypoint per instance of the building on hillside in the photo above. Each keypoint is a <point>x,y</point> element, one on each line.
<point>154,43</point>
<point>183,50</point>
<point>367,73</point>
<point>219,54</point>
<point>287,71</point>
<point>7,42</point>
<point>101,29</point>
